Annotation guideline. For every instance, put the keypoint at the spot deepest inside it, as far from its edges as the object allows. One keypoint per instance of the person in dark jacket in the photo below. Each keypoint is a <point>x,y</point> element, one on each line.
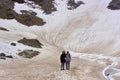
<point>62,59</point>
<point>68,60</point>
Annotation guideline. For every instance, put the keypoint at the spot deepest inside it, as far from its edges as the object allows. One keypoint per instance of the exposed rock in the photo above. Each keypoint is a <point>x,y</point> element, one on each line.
<point>2,56</point>
<point>28,12</point>
<point>31,42</point>
<point>114,5</point>
<point>30,20</point>
<point>7,3</point>
<point>19,50</point>
<point>4,29</point>
<point>73,5</point>
<point>19,1</point>
<point>13,44</point>
<point>28,53</point>
<point>46,5</point>
<point>7,12</point>
<point>9,56</point>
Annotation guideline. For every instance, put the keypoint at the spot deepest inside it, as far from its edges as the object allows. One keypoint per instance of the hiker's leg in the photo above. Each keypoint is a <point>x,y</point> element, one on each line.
<point>67,65</point>
<point>61,66</point>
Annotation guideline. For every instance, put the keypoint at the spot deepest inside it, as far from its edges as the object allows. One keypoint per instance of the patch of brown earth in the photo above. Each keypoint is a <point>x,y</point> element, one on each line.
<point>116,77</point>
<point>99,47</point>
<point>116,54</point>
<point>118,65</point>
<point>88,70</point>
<point>46,65</point>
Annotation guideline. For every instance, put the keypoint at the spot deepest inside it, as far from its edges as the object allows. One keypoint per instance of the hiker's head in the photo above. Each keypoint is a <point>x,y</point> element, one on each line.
<point>67,52</point>
<point>63,52</point>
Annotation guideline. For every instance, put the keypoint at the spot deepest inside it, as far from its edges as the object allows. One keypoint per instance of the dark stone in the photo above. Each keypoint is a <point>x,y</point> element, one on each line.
<point>4,29</point>
<point>30,20</point>
<point>2,56</point>
<point>28,12</point>
<point>19,1</point>
<point>13,44</point>
<point>28,53</point>
<point>18,50</point>
<point>9,56</point>
<point>107,74</point>
<point>46,5</point>
<point>31,42</point>
<point>6,9</point>
<point>72,5</point>
<point>114,5</point>
<point>10,14</point>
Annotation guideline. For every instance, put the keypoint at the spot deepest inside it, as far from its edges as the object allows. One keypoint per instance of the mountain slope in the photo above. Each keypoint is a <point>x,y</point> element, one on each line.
<point>89,28</point>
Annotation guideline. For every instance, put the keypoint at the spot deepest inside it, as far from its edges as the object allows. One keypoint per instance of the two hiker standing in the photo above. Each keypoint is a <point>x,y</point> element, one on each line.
<point>65,59</point>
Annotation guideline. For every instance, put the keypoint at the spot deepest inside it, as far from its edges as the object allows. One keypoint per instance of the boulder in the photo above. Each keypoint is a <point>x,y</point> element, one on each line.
<point>48,6</point>
<point>114,5</point>
<point>9,56</point>
<point>31,42</point>
<point>4,29</point>
<point>2,56</point>
<point>19,1</point>
<point>73,5</point>
<point>13,44</point>
<point>28,53</point>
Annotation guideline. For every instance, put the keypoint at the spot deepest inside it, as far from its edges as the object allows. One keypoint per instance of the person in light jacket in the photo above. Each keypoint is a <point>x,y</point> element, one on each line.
<point>68,60</point>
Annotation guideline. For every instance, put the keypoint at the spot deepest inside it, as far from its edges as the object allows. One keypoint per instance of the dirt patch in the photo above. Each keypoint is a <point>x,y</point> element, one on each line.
<point>46,66</point>
<point>89,69</point>
<point>99,47</point>
<point>116,54</point>
<point>116,77</point>
<point>118,65</point>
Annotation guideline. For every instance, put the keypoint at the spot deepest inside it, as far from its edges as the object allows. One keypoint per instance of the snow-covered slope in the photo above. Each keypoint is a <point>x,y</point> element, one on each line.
<point>91,28</point>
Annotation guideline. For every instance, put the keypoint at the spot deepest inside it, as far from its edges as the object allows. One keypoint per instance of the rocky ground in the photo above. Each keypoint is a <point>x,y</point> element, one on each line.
<point>7,12</point>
